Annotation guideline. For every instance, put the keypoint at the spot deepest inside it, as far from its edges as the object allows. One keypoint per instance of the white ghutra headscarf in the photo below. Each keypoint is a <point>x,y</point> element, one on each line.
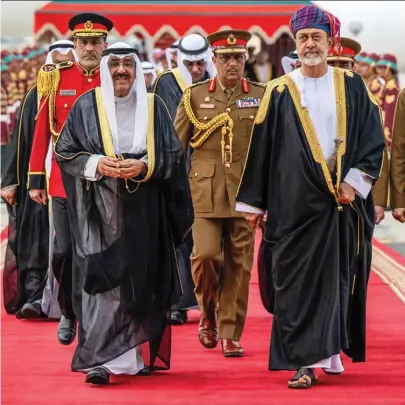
<point>63,46</point>
<point>169,52</point>
<point>194,47</point>
<point>121,50</point>
<point>149,67</point>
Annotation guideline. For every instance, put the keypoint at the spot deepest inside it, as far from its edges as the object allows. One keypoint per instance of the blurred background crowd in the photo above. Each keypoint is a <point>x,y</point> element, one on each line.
<point>155,28</point>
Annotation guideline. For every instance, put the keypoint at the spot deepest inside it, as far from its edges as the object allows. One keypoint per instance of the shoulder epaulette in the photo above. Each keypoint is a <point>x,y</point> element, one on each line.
<point>199,83</point>
<point>255,83</point>
<point>49,77</point>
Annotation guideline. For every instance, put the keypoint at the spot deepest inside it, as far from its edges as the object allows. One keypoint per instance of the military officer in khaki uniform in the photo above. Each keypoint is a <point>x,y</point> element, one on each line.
<point>215,118</point>
<point>398,161</point>
<point>380,190</point>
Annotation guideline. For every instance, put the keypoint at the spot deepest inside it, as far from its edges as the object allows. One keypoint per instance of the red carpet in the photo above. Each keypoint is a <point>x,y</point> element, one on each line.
<point>36,369</point>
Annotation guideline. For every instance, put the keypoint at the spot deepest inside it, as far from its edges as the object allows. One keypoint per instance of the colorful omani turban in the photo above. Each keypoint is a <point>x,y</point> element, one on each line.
<point>314,17</point>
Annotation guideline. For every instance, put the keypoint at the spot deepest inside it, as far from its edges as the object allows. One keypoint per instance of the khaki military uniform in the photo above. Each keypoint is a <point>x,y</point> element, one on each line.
<point>380,190</point>
<point>219,130</point>
<point>398,155</point>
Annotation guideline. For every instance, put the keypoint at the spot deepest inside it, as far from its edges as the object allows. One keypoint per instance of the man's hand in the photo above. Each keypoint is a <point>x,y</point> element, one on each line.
<point>346,193</point>
<point>253,220</point>
<point>399,214</point>
<point>9,195</point>
<point>131,168</point>
<point>388,140</point>
<point>108,166</point>
<point>379,213</point>
<point>39,196</point>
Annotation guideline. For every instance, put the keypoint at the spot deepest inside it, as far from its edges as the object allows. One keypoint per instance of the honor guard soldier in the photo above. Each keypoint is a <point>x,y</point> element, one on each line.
<point>216,118</point>
<point>366,67</point>
<point>59,86</point>
<point>5,117</point>
<point>387,69</point>
<point>397,164</point>
<point>345,56</point>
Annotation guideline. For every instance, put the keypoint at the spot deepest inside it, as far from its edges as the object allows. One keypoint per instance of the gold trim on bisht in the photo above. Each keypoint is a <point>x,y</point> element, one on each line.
<point>308,125</point>
<point>341,135</point>
<point>150,138</point>
<point>179,79</point>
<point>104,125</point>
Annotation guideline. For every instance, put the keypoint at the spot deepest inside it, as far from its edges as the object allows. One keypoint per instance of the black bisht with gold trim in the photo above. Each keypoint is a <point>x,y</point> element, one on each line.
<point>27,252</point>
<point>316,253</point>
<point>125,233</point>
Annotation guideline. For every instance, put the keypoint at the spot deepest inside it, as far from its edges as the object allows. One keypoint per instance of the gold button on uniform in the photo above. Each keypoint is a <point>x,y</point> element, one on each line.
<point>227,165</point>
<point>251,117</point>
<point>66,105</point>
<point>205,118</point>
<point>89,79</point>
<point>196,174</point>
<point>227,147</point>
<point>228,110</point>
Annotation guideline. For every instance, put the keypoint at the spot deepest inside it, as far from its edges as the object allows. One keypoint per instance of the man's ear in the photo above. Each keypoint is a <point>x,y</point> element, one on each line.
<point>214,60</point>
<point>75,43</point>
<point>331,41</point>
<point>105,44</point>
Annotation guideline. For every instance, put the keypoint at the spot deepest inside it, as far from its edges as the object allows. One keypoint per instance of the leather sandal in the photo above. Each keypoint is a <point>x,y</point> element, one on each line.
<point>304,378</point>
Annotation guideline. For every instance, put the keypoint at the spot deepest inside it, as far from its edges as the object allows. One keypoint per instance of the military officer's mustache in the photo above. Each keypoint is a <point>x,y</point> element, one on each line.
<point>90,55</point>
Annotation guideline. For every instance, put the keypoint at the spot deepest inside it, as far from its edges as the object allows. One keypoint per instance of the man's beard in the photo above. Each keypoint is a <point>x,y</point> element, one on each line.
<point>314,61</point>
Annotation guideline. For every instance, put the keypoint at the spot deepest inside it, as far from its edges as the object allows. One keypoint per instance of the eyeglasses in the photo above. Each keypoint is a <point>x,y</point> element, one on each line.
<point>126,64</point>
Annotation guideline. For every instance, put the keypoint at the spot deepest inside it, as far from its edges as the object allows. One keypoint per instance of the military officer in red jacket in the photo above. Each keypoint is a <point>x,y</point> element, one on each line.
<point>59,86</point>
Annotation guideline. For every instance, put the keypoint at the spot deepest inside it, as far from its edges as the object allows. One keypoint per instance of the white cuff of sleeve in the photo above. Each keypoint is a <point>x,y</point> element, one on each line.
<point>5,118</point>
<point>11,188</point>
<point>145,159</point>
<point>90,170</point>
<point>247,208</point>
<point>361,182</point>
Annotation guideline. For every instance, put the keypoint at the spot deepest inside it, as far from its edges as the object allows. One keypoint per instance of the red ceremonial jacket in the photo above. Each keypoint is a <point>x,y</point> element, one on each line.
<point>59,86</point>
<point>388,102</point>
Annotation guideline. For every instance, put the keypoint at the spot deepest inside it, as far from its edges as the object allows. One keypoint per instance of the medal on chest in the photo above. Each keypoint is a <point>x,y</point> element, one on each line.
<point>247,102</point>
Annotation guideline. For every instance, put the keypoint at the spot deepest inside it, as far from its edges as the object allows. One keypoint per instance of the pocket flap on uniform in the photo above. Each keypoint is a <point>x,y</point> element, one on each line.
<point>206,115</point>
<point>201,169</point>
<point>247,113</point>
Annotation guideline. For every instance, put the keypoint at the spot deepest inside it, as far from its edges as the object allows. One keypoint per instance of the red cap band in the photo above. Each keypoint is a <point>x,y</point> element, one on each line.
<point>90,26</point>
<point>345,51</point>
<point>227,42</point>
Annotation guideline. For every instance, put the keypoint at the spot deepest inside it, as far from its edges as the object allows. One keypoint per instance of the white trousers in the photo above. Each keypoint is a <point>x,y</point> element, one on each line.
<point>332,364</point>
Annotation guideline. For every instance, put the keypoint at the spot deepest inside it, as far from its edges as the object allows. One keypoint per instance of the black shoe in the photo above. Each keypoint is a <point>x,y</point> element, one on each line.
<point>32,310</point>
<point>66,331</point>
<point>98,375</point>
<point>178,317</point>
<point>144,372</point>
